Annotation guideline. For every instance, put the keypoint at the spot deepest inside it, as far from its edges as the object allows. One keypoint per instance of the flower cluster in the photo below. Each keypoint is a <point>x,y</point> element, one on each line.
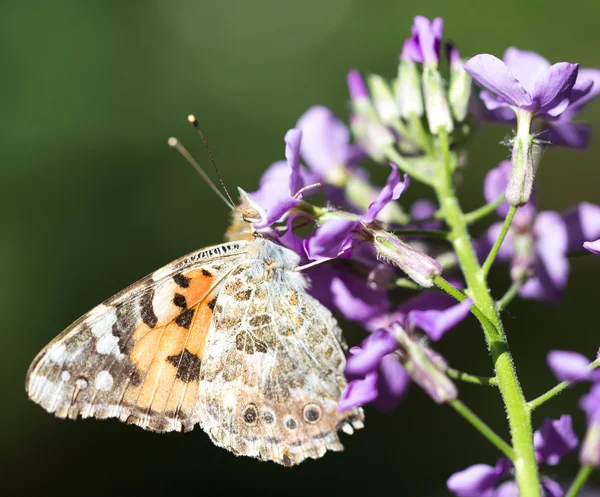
<point>363,249</point>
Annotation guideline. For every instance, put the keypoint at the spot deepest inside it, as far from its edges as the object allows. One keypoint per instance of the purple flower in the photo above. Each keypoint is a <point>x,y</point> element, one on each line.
<point>526,66</point>
<point>326,147</point>
<point>593,247</point>
<point>525,80</point>
<point>479,480</point>
<point>375,374</point>
<point>538,244</point>
<point>280,184</point>
<point>336,235</point>
<point>436,323</point>
<point>425,41</point>
<point>554,440</point>
<point>571,366</point>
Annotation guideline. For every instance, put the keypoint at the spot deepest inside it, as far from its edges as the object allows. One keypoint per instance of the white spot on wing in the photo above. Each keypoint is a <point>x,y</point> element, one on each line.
<point>65,376</point>
<point>104,322</point>
<point>57,352</point>
<point>107,343</point>
<point>162,302</point>
<point>81,383</point>
<point>229,401</point>
<point>103,381</point>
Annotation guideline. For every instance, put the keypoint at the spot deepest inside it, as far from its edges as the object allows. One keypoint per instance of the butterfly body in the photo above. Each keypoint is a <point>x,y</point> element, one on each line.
<point>226,338</point>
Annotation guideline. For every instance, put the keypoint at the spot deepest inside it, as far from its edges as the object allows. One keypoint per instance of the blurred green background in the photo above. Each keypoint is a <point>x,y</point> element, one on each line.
<point>93,198</point>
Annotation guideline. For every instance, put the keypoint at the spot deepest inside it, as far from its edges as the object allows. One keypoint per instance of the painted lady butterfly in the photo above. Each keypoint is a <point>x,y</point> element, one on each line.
<point>226,337</point>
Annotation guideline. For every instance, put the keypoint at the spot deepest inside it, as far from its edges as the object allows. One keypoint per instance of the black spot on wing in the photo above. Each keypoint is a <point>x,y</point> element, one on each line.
<point>181,280</point>
<point>212,303</point>
<point>187,364</point>
<point>179,300</point>
<point>185,318</point>
<point>206,273</point>
<point>147,310</point>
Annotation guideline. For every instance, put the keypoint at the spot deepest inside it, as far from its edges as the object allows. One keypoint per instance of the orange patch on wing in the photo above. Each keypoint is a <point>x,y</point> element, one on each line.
<point>201,281</point>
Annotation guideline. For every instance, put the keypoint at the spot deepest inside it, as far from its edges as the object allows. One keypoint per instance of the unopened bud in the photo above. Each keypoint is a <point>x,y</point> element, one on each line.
<point>384,102</point>
<point>371,134</point>
<point>459,93</point>
<point>590,448</point>
<point>408,90</point>
<point>418,266</point>
<point>522,172</point>
<point>436,103</point>
<point>425,367</point>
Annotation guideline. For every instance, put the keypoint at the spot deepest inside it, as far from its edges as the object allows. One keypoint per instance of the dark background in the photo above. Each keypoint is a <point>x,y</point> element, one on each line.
<point>93,198</point>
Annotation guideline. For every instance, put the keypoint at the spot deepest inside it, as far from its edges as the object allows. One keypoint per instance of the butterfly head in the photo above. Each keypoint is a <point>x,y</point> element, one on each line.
<point>243,218</point>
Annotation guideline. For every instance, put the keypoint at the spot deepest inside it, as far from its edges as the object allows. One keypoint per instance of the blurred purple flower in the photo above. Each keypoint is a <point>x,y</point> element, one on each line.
<point>571,366</point>
<point>374,374</point>
<point>538,244</point>
<point>280,184</point>
<point>435,323</point>
<point>425,41</point>
<point>479,480</point>
<point>593,247</point>
<point>554,440</point>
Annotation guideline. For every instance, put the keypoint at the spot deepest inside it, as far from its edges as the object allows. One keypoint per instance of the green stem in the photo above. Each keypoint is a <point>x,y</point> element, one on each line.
<point>519,417</point>
<point>406,283</point>
<point>417,123</point>
<point>484,210</point>
<point>510,294</point>
<point>432,233</point>
<point>471,378</point>
<point>554,391</point>
<point>393,155</point>
<point>483,428</point>
<point>492,255</point>
<point>579,481</point>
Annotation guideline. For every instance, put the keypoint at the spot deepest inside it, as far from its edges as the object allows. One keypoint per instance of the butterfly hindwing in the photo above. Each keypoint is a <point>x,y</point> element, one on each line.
<point>137,356</point>
<point>273,366</point>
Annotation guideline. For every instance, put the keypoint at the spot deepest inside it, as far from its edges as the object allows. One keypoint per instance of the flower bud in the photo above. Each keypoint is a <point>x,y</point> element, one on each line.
<point>425,367</point>
<point>372,136</point>
<point>459,93</point>
<point>408,90</point>
<point>418,266</point>
<point>589,454</point>
<point>520,181</point>
<point>383,99</point>
<point>436,103</point>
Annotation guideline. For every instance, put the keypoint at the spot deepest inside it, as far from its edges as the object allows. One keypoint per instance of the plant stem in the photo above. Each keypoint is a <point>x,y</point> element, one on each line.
<point>492,255</point>
<point>554,391</point>
<point>579,481</point>
<point>483,428</point>
<point>510,294</point>
<point>484,210</point>
<point>519,417</point>
<point>393,155</point>
<point>471,378</point>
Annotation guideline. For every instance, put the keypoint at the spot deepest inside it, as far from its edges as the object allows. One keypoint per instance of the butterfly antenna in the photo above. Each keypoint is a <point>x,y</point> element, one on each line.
<point>175,143</point>
<point>192,119</point>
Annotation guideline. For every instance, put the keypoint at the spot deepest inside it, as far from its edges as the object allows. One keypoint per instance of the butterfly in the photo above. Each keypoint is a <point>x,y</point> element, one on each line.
<point>226,337</point>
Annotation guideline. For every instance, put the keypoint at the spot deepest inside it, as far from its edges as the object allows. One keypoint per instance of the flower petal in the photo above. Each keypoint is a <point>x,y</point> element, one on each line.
<point>356,300</point>
<point>554,440</point>
<point>330,239</point>
<point>392,384</point>
<point>583,224</point>
<point>593,247</point>
<point>356,85</point>
<point>359,392</point>
<point>479,480</point>
<point>437,323</point>
<point>293,139</point>
<point>491,73</point>
<point>495,185</point>
<point>554,86</point>
<point>391,191</point>
<point>569,366</point>
<point>567,134</point>
<point>525,65</point>
<point>580,97</point>
<point>429,35</point>
<point>325,140</point>
<point>368,357</point>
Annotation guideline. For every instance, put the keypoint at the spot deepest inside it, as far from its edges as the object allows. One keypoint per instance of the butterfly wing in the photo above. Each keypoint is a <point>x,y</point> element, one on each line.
<point>137,356</point>
<point>272,371</point>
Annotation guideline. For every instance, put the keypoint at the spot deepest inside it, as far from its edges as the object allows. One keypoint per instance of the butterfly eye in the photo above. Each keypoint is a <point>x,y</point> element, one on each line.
<point>251,215</point>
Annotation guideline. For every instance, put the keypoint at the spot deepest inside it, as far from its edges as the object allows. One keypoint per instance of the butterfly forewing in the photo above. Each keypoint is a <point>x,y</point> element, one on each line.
<point>137,356</point>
